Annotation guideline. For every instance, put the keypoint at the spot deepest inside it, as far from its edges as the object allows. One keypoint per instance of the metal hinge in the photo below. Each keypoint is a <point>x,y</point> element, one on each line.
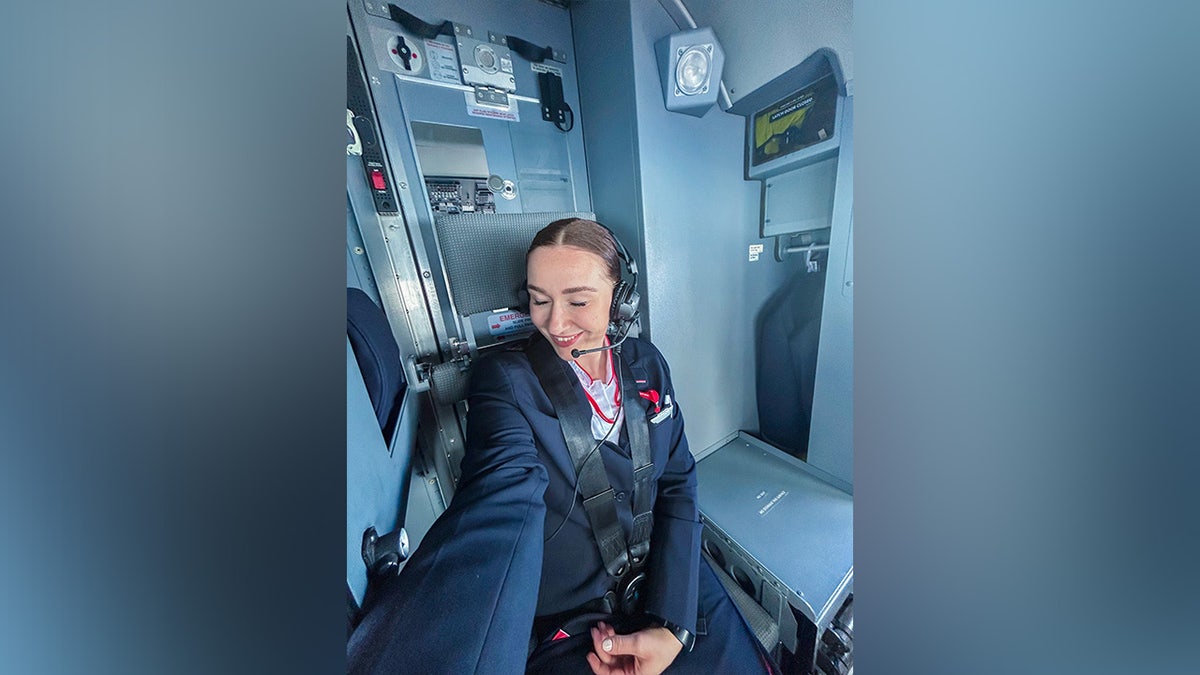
<point>491,96</point>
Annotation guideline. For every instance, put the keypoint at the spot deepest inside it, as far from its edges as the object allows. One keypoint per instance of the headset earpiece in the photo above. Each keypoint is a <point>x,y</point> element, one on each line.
<point>624,308</point>
<point>523,297</point>
<point>624,302</point>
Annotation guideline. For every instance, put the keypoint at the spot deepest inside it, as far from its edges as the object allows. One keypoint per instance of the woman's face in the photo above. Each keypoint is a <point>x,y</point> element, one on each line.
<point>569,297</point>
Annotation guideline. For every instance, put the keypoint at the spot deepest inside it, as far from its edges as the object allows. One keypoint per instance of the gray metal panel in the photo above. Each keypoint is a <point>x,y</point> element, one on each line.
<point>831,439</point>
<point>484,255</point>
<point>800,200</point>
<point>765,38</point>
<point>394,245</point>
<point>425,504</point>
<point>700,218</point>
<point>375,473</point>
<point>358,270</point>
<point>452,151</point>
<point>372,476</point>
<point>399,101</point>
<point>793,520</point>
<point>604,49</point>
<point>403,251</point>
<point>506,142</point>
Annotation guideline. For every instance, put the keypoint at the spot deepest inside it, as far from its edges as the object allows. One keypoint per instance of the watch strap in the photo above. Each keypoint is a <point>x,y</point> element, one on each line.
<point>682,634</point>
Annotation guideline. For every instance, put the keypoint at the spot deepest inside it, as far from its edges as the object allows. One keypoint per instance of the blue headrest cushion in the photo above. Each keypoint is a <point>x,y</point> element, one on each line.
<point>377,354</point>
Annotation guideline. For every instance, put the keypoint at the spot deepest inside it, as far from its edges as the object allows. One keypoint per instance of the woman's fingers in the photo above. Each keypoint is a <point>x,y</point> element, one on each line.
<point>598,638</point>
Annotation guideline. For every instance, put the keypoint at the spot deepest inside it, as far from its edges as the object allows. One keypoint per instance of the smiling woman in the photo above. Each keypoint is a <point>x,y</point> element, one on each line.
<point>634,606</point>
<point>571,289</point>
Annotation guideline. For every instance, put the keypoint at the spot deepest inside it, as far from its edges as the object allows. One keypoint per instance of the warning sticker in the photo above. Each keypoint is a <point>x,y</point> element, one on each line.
<point>508,323</point>
<point>544,68</point>
<point>443,62</point>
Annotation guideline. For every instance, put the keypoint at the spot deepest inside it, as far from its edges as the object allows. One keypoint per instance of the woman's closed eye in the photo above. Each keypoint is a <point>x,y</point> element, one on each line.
<point>575,303</point>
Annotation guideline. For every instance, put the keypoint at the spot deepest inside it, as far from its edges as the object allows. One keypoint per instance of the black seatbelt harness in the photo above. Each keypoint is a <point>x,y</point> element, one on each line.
<point>621,560</point>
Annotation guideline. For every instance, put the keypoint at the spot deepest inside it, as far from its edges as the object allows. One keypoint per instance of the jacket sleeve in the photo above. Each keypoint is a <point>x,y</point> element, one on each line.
<point>465,600</point>
<point>674,560</point>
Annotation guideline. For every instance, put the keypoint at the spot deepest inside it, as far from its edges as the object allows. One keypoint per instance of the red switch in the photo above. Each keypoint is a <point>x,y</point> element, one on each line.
<point>377,180</point>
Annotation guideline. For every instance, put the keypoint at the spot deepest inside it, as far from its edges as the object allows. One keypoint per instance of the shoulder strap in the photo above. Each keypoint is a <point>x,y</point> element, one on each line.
<point>643,466</point>
<point>575,421</point>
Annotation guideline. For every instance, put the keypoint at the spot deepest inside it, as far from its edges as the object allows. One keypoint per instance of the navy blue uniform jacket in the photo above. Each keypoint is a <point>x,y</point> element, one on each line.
<point>466,600</point>
<point>511,419</point>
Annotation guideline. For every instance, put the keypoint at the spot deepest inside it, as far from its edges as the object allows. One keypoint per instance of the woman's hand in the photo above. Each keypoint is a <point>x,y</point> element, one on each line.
<point>646,652</point>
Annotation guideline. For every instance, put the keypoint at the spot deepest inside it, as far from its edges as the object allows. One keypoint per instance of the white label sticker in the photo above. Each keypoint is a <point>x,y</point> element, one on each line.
<point>543,68</point>
<point>508,323</point>
<point>510,114</point>
<point>755,250</point>
<point>771,504</point>
<point>443,62</point>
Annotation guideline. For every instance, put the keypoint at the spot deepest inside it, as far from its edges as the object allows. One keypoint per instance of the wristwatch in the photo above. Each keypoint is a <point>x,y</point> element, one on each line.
<point>682,634</point>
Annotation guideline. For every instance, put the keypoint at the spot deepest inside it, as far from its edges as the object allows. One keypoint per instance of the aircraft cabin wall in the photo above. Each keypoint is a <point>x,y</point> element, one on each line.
<point>442,147</point>
<point>678,182</point>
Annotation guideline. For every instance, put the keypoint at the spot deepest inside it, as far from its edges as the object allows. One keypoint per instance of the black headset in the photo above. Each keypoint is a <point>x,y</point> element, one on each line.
<point>623,312</point>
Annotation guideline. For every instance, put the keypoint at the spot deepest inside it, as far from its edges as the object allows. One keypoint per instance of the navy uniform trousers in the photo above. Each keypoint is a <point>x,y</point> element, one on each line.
<point>511,546</point>
<point>725,644</point>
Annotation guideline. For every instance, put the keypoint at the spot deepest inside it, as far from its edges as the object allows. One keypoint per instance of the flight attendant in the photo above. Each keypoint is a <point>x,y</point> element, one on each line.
<point>573,542</point>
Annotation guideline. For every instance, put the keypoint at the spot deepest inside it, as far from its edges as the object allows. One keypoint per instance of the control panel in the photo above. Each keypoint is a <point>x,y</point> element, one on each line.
<point>458,195</point>
<point>363,140</point>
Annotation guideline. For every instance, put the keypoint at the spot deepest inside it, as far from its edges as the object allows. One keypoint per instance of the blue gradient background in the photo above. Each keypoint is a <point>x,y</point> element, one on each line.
<point>1025,390</point>
<point>172,383</point>
<point>172,400</point>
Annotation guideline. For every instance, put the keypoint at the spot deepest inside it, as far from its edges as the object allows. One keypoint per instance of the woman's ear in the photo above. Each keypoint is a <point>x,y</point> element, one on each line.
<point>523,297</point>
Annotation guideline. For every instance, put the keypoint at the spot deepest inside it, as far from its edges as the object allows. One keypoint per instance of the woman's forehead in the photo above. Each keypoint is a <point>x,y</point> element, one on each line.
<point>563,261</point>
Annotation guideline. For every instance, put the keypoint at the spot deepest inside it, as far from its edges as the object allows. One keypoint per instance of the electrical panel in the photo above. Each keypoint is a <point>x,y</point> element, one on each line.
<point>456,195</point>
<point>363,141</point>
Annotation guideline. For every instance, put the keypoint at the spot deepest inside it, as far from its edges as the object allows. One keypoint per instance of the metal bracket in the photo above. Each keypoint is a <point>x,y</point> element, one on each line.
<point>460,353</point>
<point>490,96</point>
<point>484,63</point>
<point>784,248</point>
<point>418,373</point>
<point>383,555</point>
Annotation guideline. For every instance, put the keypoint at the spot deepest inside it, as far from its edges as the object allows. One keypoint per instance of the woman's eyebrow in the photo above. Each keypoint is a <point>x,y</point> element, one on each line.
<point>568,291</point>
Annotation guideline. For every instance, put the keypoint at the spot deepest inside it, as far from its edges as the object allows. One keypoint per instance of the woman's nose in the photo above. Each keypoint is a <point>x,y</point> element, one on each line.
<point>558,318</point>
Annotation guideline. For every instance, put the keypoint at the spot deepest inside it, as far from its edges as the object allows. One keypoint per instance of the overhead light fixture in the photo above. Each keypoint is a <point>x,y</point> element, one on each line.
<point>689,64</point>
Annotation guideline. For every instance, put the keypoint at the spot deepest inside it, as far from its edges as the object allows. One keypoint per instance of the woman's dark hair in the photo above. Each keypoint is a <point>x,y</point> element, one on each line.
<point>585,234</point>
